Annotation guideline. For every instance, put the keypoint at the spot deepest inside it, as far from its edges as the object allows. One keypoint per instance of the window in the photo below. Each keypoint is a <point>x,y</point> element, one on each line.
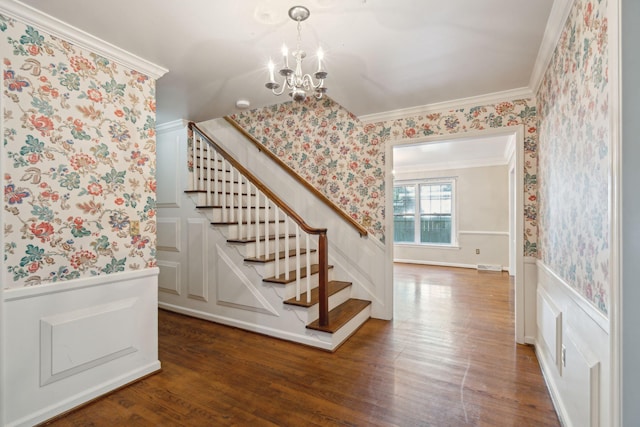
<point>423,212</point>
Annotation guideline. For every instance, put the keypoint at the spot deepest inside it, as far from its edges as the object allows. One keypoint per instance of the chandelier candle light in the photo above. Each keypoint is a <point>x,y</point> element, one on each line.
<point>294,81</point>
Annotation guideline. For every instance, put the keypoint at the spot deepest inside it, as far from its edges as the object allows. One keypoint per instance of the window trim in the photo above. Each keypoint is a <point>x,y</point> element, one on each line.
<point>454,210</point>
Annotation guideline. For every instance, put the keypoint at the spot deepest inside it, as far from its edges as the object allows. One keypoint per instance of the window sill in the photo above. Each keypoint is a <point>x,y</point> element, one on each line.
<point>427,246</point>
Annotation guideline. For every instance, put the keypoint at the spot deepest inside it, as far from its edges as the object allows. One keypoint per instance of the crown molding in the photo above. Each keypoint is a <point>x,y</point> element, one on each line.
<point>491,98</point>
<point>555,24</point>
<point>400,173</point>
<point>78,37</point>
<point>171,126</point>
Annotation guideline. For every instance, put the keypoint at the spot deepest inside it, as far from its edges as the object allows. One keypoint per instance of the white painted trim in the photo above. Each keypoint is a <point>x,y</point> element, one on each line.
<point>83,282</point>
<point>491,98</point>
<point>518,132</point>
<point>425,246</point>
<point>561,410</point>
<point>615,200</point>
<point>437,263</point>
<point>475,163</point>
<point>172,126</point>
<point>86,395</point>
<point>485,233</point>
<point>555,24</point>
<point>78,37</point>
<point>3,269</point>
<point>597,316</point>
<point>310,340</point>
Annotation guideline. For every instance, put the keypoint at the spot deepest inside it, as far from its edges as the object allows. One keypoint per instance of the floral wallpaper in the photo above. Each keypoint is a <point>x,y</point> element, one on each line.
<point>79,144</point>
<point>326,145</point>
<point>574,155</point>
<point>344,158</point>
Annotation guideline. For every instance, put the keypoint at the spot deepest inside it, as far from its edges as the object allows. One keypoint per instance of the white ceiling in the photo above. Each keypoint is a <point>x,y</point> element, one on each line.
<point>381,55</point>
<point>453,154</point>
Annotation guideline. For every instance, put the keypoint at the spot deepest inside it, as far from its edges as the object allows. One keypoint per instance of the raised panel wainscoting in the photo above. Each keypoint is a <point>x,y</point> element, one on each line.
<point>85,337</point>
<point>573,350</point>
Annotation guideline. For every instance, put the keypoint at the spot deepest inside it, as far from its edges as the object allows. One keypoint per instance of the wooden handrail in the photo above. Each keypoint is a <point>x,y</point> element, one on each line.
<point>323,246</point>
<point>363,231</point>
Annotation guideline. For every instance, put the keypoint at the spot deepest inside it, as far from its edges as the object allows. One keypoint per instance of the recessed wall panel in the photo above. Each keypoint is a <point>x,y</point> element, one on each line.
<point>197,286</point>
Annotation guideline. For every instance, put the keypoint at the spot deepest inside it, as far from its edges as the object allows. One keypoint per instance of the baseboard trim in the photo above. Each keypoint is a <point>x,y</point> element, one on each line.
<point>551,386</point>
<point>81,399</point>
<point>98,398</point>
<point>437,263</point>
<point>312,340</point>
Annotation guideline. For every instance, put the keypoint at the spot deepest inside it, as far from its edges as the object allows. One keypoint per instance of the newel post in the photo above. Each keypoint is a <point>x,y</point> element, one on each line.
<point>323,278</point>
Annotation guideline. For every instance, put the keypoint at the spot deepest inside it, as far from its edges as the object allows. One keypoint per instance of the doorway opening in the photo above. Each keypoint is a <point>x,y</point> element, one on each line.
<point>458,201</point>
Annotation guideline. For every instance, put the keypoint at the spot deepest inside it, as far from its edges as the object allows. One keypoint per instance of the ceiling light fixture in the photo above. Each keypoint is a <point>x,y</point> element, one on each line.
<point>297,83</point>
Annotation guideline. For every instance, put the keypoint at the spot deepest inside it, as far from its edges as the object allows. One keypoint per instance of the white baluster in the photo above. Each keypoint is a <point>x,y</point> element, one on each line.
<point>276,241</point>
<point>286,245</point>
<point>223,205</point>
<point>216,178</point>
<point>298,262</point>
<point>266,227</point>
<point>308,269</point>
<point>239,206</point>
<point>194,177</point>
<point>208,175</point>
<point>257,223</point>
<point>248,216</point>
<point>201,174</point>
<point>232,203</point>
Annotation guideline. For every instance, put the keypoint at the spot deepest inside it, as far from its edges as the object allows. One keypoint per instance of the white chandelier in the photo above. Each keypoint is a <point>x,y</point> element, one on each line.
<point>294,81</point>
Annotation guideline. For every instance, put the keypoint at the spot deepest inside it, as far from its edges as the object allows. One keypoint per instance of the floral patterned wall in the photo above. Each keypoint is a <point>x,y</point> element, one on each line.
<point>326,145</point>
<point>344,158</point>
<point>79,144</point>
<point>574,155</point>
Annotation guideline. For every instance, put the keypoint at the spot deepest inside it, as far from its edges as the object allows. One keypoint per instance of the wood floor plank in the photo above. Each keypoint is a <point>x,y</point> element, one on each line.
<point>448,358</point>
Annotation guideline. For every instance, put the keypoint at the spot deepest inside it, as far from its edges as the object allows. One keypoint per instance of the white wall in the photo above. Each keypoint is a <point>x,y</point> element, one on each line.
<point>482,207</point>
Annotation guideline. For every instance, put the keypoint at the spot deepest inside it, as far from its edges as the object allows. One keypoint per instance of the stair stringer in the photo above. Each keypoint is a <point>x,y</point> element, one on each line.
<point>360,260</point>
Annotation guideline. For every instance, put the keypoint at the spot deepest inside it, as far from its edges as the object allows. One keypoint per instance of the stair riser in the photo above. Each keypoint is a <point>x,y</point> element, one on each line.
<point>310,314</point>
<point>232,231</point>
<point>225,215</point>
<point>229,199</point>
<point>248,250</point>
<point>269,269</point>
<point>290,288</point>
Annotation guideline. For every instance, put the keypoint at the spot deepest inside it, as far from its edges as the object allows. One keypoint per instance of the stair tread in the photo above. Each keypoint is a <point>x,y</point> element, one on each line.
<point>228,193</point>
<point>292,275</point>
<point>333,287</point>
<point>341,315</point>
<point>220,207</point>
<point>272,256</point>
<point>244,222</point>
<point>253,239</point>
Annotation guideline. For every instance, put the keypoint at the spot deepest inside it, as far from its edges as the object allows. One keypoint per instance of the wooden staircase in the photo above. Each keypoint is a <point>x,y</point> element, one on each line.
<point>272,240</point>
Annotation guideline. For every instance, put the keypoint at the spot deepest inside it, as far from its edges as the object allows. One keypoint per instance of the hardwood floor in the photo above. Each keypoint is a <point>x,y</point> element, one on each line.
<point>447,359</point>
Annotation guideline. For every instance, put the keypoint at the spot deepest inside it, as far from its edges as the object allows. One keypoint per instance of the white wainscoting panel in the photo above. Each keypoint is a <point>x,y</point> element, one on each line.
<point>167,161</point>
<point>198,284</point>
<point>583,370</point>
<point>236,290</point>
<point>169,277</point>
<point>550,327</point>
<point>168,233</point>
<point>72,341</point>
<point>579,380</point>
<point>69,343</point>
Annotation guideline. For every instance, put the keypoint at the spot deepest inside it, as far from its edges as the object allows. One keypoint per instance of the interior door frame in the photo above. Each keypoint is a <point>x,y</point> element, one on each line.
<point>518,134</point>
